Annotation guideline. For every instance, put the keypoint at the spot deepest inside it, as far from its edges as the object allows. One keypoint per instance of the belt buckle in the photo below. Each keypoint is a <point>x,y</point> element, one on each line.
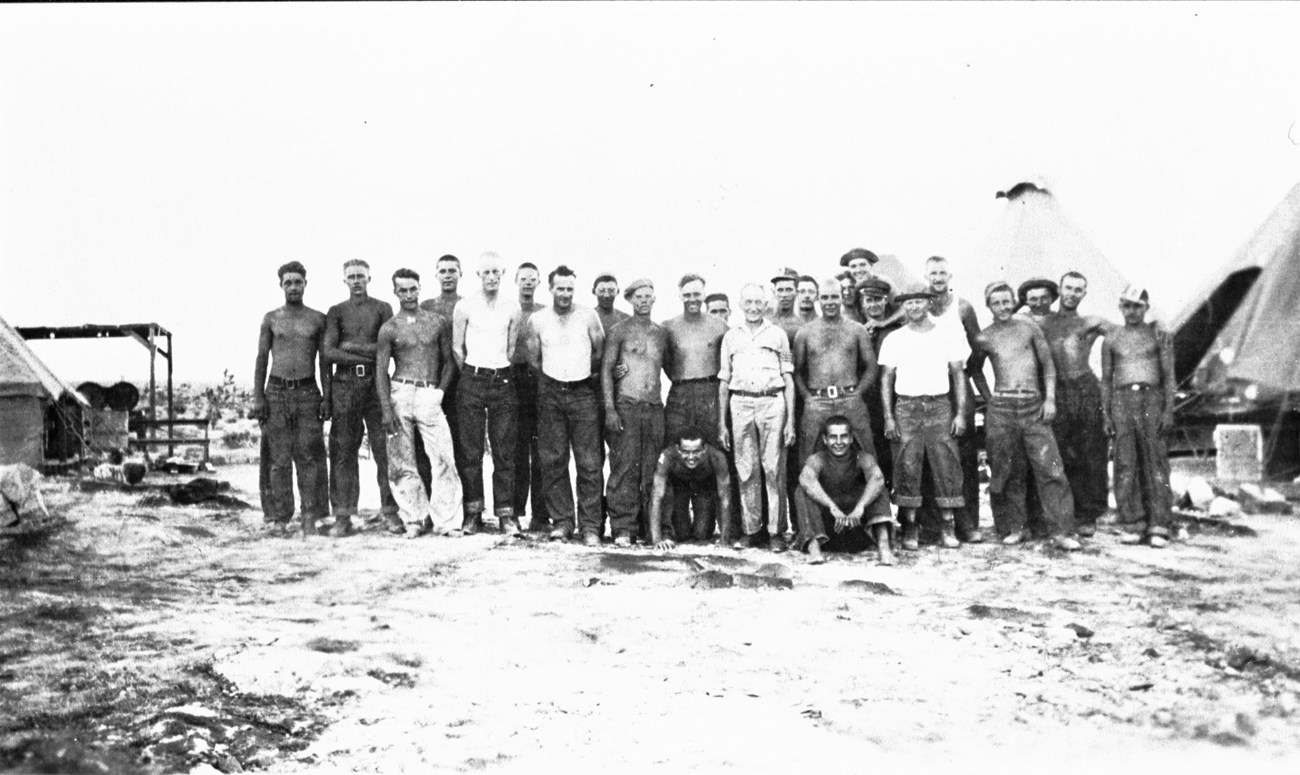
<point>359,370</point>
<point>1135,387</point>
<point>833,391</point>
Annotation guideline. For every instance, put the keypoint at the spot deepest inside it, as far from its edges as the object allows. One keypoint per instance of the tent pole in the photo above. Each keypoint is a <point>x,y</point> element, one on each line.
<point>153,382</point>
<point>171,400</point>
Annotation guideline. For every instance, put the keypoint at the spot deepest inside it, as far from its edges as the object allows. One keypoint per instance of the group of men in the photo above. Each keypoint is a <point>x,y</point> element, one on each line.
<point>814,410</point>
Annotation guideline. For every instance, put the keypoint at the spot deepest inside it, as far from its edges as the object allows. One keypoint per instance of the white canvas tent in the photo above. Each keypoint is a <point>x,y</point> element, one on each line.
<point>27,389</point>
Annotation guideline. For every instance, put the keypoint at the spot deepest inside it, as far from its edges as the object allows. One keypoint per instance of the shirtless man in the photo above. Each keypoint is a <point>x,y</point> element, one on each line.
<point>351,330</point>
<point>447,271</point>
<point>848,295</point>
<point>692,476</point>
<point>484,331</point>
<point>1018,418</point>
<point>528,473</point>
<point>1137,388</point>
<point>634,412</point>
<point>923,398</point>
<point>564,347</point>
<point>843,485</point>
<point>605,289</point>
<point>419,344</point>
<point>806,290</point>
<point>949,309</point>
<point>1079,426</point>
<point>755,384</point>
<point>784,284</point>
<point>719,306</point>
<point>290,408</point>
<point>691,362</point>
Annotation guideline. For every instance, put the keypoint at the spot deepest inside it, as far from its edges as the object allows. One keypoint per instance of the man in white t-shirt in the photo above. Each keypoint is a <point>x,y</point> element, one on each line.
<point>483,339</point>
<point>924,367</point>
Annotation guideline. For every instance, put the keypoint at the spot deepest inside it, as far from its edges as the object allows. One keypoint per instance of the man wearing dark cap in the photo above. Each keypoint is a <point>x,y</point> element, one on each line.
<point>859,262</point>
<point>924,399</point>
<point>1020,409</point>
<point>634,413</point>
<point>874,297</point>
<point>783,290</point>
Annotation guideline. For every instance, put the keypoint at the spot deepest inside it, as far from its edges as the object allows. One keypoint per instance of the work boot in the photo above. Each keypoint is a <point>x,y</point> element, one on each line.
<point>472,524</point>
<point>1157,541</point>
<point>623,541</point>
<point>1085,530</point>
<point>975,536</point>
<point>747,542</point>
<point>342,526</point>
<point>509,526</point>
<point>911,537</point>
<point>590,539</point>
<point>414,530</point>
<point>948,539</point>
<point>538,525</point>
<point>1066,544</point>
<point>1013,538</point>
<point>778,544</point>
<point>394,524</point>
<point>561,532</point>
<point>275,528</point>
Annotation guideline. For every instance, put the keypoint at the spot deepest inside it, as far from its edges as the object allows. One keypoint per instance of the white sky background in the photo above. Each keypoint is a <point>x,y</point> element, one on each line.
<point>159,162</point>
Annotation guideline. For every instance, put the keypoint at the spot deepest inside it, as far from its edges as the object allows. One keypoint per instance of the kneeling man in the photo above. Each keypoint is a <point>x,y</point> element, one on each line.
<point>843,483</point>
<point>692,476</point>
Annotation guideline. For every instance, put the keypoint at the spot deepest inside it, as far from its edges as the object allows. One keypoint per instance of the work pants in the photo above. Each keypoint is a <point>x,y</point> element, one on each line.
<point>293,437</point>
<point>356,413</point>
<point>487,397</point>
<point>819,525</point>
<point>528,470</point>
<point>692,403</point>
<point>634,456</point>
<point>690,509</point>
<point>758,424</point>
<point>420,407</point>
<point>1081,437</point>
<point>568,418</point>
<point>1142,490</point>
<point>1018,440</point>
<point>925,437</point>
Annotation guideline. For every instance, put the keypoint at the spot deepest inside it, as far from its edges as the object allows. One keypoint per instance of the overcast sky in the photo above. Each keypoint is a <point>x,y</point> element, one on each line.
<point>159,162</point>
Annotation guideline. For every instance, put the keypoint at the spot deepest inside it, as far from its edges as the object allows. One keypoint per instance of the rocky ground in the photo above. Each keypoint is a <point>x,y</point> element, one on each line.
<point>142,636</point>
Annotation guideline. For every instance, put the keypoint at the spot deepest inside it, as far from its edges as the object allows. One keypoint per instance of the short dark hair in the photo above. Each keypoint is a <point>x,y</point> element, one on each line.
<point>295,267</point>
<point>1073,273</point>
<point>559,271</point>
<point>841,277</point>
<point>806,278</point>
<point>409,274</point>
<point>722,297</point>
<point>690,433</point>
<point>448,257</point>
<point>526,265</point>
<point>689,278</point>
<point>604,278</point>
<point>836,419</point>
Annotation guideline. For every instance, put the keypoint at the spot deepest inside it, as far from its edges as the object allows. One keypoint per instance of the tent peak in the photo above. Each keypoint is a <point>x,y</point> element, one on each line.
<point>1020,189</point>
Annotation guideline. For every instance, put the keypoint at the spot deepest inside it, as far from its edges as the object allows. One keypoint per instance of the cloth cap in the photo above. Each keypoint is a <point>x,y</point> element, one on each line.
<point>1135,294</point>
<point>858,253</point>
<point>994,287</point>
<point>914,291</point>
<point>877,287</point>
<point>636,285</point>
<point>1035,283</point>
<point>785,273</point>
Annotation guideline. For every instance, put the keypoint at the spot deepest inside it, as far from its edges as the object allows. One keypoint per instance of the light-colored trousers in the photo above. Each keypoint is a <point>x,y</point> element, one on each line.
<point>422,406</point>
<point>757,429</point>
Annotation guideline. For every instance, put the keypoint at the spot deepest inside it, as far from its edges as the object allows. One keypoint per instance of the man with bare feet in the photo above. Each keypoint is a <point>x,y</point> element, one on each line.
<point>289,406</point>
<point>634,412</point>
<point>924,376</point>
<point>1017,430</point>
<point>755,383</point>
<point>843,486</point>
<point>418,342</point>
<point>564,347</point>
<point>351,330</point>
<point>692,484</point>
<point>484,334</point>
<point>1079,425</point>
<point>528,473</point>
<point>1137,388</point>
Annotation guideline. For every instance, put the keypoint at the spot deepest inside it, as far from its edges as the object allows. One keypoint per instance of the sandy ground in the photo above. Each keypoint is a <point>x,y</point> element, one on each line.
<point>157,638</point>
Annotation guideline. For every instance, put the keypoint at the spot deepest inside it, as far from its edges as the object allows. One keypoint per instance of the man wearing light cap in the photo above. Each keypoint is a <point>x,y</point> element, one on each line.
<point>1137,387</point>
<point>1018,430</point>
<point>923,397</point>
<point>784,285</point>
<point>874,303</point>
<point>634,413</point>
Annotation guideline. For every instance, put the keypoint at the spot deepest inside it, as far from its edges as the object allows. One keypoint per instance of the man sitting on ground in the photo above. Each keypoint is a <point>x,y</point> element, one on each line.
<point>843,483</point>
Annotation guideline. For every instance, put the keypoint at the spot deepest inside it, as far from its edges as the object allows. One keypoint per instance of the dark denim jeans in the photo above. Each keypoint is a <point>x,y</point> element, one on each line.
<point>925,430</point>
<point>634,456</point>
<point>528,467</point>
<point>1141,460</point>
<point>569,417</point>
<point>1018,440</point>
<point>293,437</point>
<point>1081,437</point>
<point>681,498</point>
<point>356,413</point>
<point>488,398</point>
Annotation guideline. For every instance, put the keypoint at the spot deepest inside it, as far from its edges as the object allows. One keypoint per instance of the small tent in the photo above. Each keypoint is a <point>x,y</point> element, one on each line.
<point>1033,237</point>
<point>29,393</point>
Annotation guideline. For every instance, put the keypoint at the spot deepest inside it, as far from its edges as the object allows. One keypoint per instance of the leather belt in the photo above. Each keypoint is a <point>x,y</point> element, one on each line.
<point>695,380</point>
<point>577,383</point>
<point>835,392</point>
<point>291,384</point>
<point>1015,393</point>
<point>416,382</point>
<point>751,394</point>
<point>479,371</point>
<point>359,370</point>
<point>1138,386</point>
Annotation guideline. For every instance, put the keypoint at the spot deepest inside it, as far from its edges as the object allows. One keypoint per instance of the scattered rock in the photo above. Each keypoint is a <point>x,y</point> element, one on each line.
<point>1199,493</point>
<point>1080,630</point>
<point>868,586</point>
<point>332,645</point>
<point>981,611</point>
<point>753,581</point>
<point>1162,718</point>
<point>1262,500</point>
<point>774,570</point>
<point>712,579</point>
<point>1224,507</point>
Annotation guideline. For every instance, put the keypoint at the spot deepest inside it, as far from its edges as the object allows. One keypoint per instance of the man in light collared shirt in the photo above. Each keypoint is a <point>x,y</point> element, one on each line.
<point>483,339</point>
<point>564,345</point>
<point>755,382</point>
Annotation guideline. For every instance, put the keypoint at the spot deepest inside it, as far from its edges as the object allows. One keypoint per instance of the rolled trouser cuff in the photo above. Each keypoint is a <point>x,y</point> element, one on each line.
<point>504,511</point>
<point>951,503</point>
<point>909,501</point>
<point>474,507</point>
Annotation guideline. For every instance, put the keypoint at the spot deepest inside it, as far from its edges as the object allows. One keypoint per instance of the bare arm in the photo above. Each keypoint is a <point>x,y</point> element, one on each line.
<point>512,331</point>
<point>724,406</point>
<point>722,478</point>
<point>875,485</point>
<point>1107,388</point>
<point>613,348</point>
<point>383,353</point>
<point>801,364</point>
<point>958,378</point>
<point>459,320</point>
<point>1168,381</point>
<point>975,367</point>
<point>658,489</point>
<point>597,334</point>
<point>867,357</point>
<point>812,486</point>
<point>533,346</point>
<point>887,376</point>
<point>445,358</point>
<point>789,409</point>
<point>322,363</point>
<point>264,341</point>
<point>1048,367</point>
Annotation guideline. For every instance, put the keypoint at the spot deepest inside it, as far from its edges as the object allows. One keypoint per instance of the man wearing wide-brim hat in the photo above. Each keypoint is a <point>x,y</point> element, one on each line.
<point>1037,295</point>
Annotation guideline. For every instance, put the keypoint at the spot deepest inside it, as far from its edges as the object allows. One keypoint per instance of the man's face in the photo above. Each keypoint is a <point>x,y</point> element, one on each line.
<point>806,292</point>
<point>830,300</point>
<point>642,301</point>
<point>1073,289</point>
<point>407,291</point>
<point>874,306</point>
<point>294,285</point>
<point>837,439</point>
<point>692,452</point>
<point>606,292</point>
<point>860,268</point>
<point>562,293</point>
<point>1039,301</point>
<point>937,275</point>
<point>1003,305</point>
<point>448,273</point>
<point>1134,312</point>
<point>784,291</point>
<point>846,290</point>
<point>356,278</point>
<point>720,309</point>
<point>692,295</point>
<point>916,309</point>
<point>526,279</point>
<point>753,304</point>
<point>490,274</point>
